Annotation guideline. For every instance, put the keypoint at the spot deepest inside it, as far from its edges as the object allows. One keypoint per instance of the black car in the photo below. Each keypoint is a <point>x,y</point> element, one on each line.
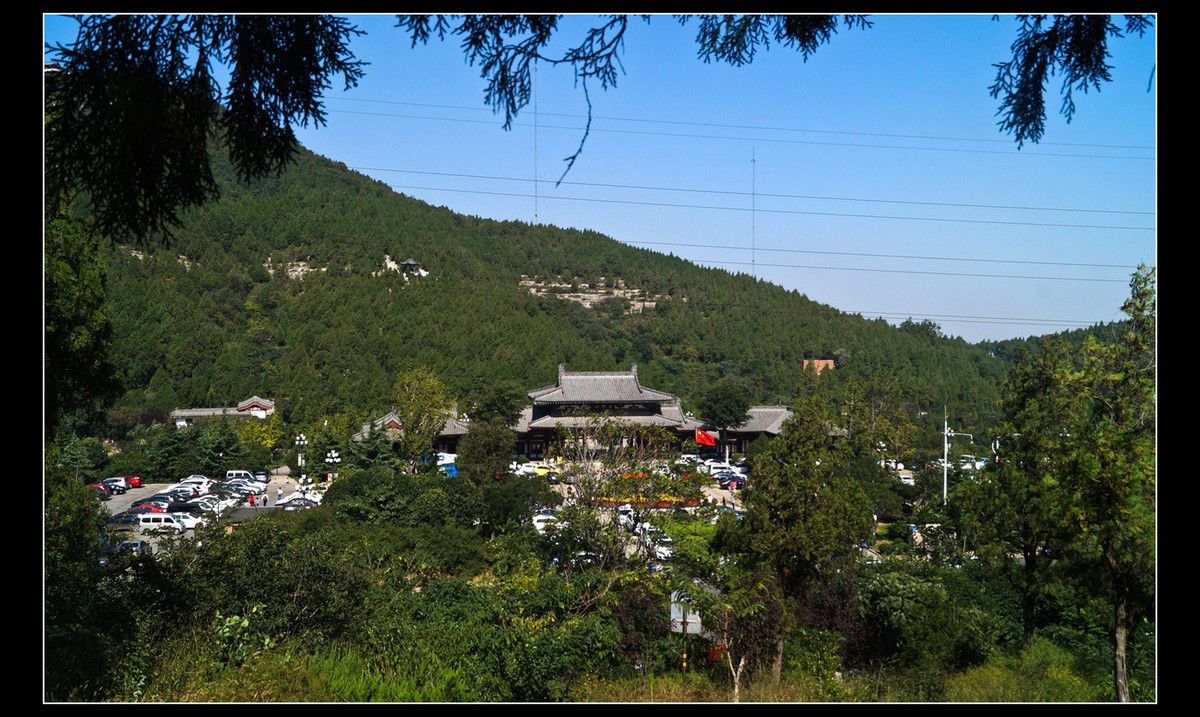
<point>297,503</point>
<point>732,481</point>
<point>113,486</point>
<point>124,521</point>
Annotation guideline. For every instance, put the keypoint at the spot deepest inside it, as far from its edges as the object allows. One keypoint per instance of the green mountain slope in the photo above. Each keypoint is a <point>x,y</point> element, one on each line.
<point>282,289</point>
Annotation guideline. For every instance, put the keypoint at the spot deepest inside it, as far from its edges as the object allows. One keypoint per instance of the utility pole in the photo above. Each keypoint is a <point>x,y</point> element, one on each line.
<point>946,433</point>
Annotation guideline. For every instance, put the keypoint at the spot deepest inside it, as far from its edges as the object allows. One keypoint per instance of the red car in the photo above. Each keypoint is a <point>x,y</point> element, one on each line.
<point>133,481</point>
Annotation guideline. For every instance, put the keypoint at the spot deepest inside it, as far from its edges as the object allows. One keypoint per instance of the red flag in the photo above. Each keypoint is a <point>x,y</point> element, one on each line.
<point>705,438</point>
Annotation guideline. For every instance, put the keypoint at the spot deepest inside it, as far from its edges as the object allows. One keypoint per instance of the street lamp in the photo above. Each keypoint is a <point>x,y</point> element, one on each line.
<point>301,442</point>
<point>333,459</point>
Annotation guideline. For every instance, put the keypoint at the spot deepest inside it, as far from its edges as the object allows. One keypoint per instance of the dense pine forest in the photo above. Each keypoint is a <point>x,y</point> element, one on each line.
<point>836,581</point>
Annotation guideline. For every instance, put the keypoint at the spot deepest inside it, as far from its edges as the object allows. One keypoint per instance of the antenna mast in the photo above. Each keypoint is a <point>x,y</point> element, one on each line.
<point>535,133</point>
<point>753,210</point>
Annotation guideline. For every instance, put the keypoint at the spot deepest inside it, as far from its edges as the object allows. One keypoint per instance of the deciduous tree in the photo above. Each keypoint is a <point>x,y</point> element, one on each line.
<point>422,405</point>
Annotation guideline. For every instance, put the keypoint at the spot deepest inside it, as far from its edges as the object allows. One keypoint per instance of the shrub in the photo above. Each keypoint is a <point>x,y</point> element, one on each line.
<point>1044,673</point>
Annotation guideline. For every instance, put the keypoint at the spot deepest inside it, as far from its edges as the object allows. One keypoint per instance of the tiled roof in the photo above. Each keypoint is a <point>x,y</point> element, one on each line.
<point>199,412</point>
<point>641,418</point>
<point>604,387</point>
<point>256,401</point>
<point>765,419</point>
<point>391,423</point>
<point>819,364</point>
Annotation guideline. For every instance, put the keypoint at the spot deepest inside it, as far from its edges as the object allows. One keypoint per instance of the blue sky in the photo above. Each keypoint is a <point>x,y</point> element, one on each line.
<point>872,177</point>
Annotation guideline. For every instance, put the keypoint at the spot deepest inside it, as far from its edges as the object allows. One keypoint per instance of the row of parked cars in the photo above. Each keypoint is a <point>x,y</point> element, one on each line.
<point>117,485</point>
<point>193,501</point>
<point>729,476</point>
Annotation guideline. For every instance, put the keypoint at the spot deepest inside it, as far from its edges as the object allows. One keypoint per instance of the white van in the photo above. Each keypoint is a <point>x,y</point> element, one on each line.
<point>235,475</point>
<point>159,522</point>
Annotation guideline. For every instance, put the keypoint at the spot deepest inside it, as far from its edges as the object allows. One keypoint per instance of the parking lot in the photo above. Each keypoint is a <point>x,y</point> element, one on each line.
<point>122,502</point>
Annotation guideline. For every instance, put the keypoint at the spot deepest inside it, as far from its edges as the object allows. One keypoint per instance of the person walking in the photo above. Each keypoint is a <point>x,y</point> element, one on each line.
<point>278,496</point>
<point>252,500</point>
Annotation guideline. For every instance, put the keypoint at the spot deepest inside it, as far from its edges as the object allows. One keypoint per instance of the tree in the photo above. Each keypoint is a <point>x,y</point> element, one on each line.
<point>219,448</point>
<point>485,453</point>
<point>78,371</point>
<point>131,112</point>
<point>422,405</point>
<point>746,613</point>
<point>1113,471</point>
<point>1018,506</point>
<point>1075,46</point>
<point>502,400</point>
<point>73,526</point>
<point>726,404</point>
<point>374,450</point>
<point>807,515</point>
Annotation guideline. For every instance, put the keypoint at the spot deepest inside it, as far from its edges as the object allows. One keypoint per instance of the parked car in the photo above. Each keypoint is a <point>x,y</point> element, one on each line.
<point>297,503</point>
<point>732,481</point>
<point>102,492</point>
<point>201,484</point>
<point>189,520</point>
<point>262,476</point>
<point>543,519</point>
<point>627,516</point>
<point>138,547</point>
<point>664,547</point>
<point>133,481</point>
<point>159,522</point>
<point>157,499</point>
<point>118,484</point>
<point>148,508</point>
<point>124,521</point>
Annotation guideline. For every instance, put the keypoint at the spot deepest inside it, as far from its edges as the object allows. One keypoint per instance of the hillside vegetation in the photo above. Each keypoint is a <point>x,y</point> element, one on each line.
<point>289,288</point>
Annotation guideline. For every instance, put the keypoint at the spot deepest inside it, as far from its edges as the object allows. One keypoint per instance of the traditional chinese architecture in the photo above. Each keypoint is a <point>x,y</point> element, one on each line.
<point>447,441</point>
<point>578,397</point>
<point>253,407</point>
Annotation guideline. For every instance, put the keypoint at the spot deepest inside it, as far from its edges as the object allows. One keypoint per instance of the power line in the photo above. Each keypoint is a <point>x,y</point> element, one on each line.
<point>884,256</point>
<point>734,193</point>
<point>914,271</point>
<point>885,135</point>
<point>802,212</point>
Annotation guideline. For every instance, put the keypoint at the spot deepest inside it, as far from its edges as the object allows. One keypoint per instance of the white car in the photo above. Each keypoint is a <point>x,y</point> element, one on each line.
<point>119,480</point>
<point>627,515</point>
<point>664,547</point>
<point>216,505</point>
<point>202,486</point>
<point>189,520</point>
<point>314,496</point>
<point>543,520</point>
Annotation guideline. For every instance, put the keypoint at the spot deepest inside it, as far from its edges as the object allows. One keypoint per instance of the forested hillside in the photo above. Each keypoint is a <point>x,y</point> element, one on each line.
<point>282,289</point>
